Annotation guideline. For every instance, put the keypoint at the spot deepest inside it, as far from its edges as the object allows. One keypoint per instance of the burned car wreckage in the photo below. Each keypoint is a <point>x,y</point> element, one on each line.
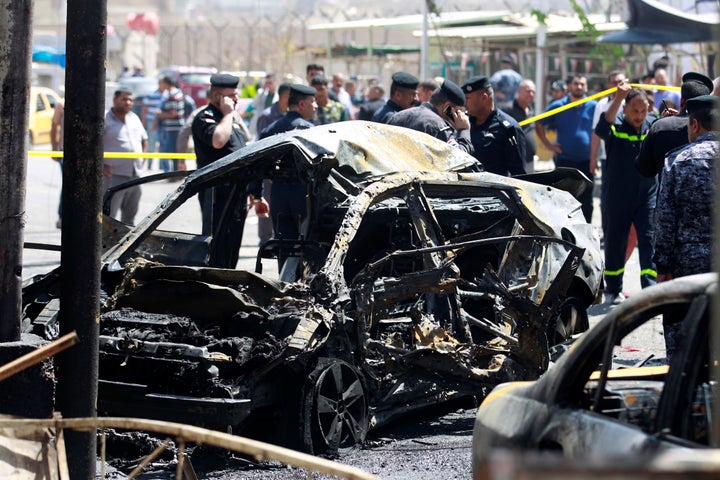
<point>606,399</point>
<point>404,290</point>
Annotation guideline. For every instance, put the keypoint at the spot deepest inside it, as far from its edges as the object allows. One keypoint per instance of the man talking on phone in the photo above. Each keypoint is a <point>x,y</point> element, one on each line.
<point>441,117</point>
<point>498,139</point>
<point>216,134</point>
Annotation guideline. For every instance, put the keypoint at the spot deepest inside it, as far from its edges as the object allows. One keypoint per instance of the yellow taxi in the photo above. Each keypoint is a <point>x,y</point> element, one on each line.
<point>42,107</point>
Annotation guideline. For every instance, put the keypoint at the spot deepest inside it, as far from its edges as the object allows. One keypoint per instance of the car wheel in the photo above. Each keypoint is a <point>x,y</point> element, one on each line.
<point>571,318</point>
<point>334,413</point>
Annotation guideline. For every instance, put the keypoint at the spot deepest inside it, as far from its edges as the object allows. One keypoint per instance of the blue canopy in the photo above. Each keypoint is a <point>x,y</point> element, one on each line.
<point>48,55</point>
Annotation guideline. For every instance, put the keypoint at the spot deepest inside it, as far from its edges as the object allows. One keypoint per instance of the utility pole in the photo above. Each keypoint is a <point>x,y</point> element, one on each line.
<point>15,28</point>
<point>80,257</point>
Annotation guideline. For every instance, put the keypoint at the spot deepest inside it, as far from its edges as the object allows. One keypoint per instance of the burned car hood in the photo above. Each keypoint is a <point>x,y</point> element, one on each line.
<point>359,149</point>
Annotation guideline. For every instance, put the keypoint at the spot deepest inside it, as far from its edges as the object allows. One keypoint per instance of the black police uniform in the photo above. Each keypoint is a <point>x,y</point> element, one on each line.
<point>425,118</point>
<point>499,144</point>
<point>203,127</point>
<point>289,121</point>
<point>212,202</point>
<point>665,135</point>
<point>386,112</point>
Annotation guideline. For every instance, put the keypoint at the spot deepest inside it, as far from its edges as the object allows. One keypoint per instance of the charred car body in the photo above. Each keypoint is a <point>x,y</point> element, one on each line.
<point>405,289</point>
<point>595,403</point>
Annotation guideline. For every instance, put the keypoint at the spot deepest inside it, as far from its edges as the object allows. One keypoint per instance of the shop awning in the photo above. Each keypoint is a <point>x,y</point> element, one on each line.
<point>656,23</point>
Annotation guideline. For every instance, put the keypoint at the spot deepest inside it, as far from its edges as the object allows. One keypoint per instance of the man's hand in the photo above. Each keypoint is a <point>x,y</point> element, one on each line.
<point>460,120</point>
<point>555,148</point>
<point>593,165</point>
<point>669,112</point>
<point>227,105</point>
<point>623,88</point>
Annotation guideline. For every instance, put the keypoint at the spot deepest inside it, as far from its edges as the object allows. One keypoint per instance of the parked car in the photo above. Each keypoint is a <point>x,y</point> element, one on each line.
<point>598,402</point>
<point>42,108</point>
<point>415,281</point>
<point>193,81</point>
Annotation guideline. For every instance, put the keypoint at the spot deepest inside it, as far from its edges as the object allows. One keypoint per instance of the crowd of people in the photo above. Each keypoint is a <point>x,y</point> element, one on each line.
<point>653,148</point>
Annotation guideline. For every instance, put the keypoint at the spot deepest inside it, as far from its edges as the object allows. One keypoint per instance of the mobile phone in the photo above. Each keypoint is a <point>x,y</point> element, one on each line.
<point>664,106</point>
<point>449,112</point>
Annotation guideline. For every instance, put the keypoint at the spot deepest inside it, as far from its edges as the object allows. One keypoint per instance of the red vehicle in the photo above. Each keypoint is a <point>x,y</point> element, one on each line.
<point>193,81</point>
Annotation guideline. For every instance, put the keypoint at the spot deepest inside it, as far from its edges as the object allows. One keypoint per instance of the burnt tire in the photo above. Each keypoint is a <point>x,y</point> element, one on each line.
<point>570,319</point>
<point>334,410</point>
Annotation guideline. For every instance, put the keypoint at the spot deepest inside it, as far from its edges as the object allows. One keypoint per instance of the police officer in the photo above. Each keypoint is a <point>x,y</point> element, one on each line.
<point>684,212</point>
<point>216,133</point>
<point>287,202</point>
<point>684,219</point>
<point>301,111</point>
<point>403,95</point>
<point>497,138</point>
<point>670,132</point>
<point>441,117</point>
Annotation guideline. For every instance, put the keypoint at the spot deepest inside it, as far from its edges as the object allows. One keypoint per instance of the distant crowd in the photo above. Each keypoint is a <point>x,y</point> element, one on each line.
<point>654,148</point>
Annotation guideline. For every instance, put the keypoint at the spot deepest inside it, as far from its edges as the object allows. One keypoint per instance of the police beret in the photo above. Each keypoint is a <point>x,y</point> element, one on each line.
<point>699,78</point>
<point>702,102</point>
<point>453,92</point>
<point>300,89</point>
<point>224,80</point>
<point>478,82</point>
<point>405,80</point>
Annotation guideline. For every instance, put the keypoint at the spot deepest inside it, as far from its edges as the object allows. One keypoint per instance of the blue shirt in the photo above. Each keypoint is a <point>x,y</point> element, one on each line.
<point>574,129</point>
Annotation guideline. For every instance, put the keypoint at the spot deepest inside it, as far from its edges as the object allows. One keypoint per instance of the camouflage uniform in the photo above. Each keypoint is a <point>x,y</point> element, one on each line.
<point>683,217</point>
<point>331,113</point>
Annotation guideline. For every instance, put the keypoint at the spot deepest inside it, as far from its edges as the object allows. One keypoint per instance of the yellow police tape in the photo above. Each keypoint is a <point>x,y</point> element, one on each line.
<point>191,156</point>
<point>554,111</point>
<point>179,156</point>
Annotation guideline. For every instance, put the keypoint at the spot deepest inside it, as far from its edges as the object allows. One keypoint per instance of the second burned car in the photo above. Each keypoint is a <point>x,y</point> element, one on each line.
<point>414,282</point>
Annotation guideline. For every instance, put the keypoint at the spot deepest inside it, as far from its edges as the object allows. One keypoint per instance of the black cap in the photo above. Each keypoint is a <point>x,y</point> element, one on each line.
<point>453,92</point>
<point>224,80</point>
<point>405,80</point>
<point>300,89</point>
<point>701,103</point>
<point>699,78</point>
<point>558,85</point>
<point>478,82</point>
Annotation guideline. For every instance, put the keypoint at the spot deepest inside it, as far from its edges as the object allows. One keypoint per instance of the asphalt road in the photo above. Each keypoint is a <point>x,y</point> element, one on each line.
<point>421,447</point>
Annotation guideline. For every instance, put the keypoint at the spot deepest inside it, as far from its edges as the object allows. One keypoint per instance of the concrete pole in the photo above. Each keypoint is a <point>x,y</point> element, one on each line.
<point>424,45</point>
<point>15,28</point>
<point>540,68</point>
<point>715,316</point>
<point>80,257</point>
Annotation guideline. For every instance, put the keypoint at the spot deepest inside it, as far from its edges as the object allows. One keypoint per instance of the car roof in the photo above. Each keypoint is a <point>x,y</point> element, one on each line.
<point>139,85</point>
